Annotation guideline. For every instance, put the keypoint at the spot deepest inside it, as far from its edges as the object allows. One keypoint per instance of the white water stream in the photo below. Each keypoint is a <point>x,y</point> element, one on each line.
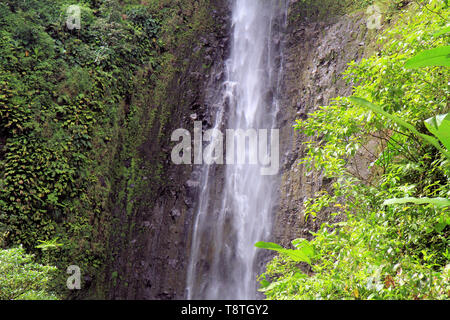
<point>223,261</point>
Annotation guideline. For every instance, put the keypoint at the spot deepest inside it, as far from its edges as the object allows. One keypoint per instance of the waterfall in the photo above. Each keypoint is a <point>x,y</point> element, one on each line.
<point>235,204</point>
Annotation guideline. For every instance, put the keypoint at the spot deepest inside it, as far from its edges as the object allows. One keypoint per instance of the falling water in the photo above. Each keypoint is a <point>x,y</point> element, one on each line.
<point>235,204</point>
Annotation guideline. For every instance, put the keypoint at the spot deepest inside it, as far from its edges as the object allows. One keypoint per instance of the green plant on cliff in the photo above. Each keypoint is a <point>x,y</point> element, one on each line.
<point>62,98</point>
<point>380,248</point>
<point>437,125</point>
<point>22,278</point>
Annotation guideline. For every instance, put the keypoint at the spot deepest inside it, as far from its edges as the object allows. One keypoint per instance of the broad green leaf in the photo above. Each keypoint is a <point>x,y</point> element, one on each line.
<point>300,275</point>
<point>297,255</point>
<point>441,225</point>
<point>439,202</point>
<point>268,245</point>
<point>269,287</point>
<point>304,245</point>
<point>440,127</point>
<point>377,109</point>
<point>442,31</point>
<point>429,58</point>
<point>264,284</point>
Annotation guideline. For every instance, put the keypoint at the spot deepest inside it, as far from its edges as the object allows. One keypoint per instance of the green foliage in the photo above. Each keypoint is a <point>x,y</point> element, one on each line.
<point>140,17</point>
<point>22,278</point>
<point>440,127</point>
<point>442,31</point>
<point>429,58</point>
<point>50,244</point>
<point>440,202</point>
<point>426,138</point>
<point>62,95</point>
<point>303,252</point>
<point>76,107</point>
<point>380,249</point>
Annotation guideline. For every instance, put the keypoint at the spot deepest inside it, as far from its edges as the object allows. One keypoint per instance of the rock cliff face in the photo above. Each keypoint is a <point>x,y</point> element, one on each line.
<point>150,244</point>
<point>316,53</point>
<point>152,210</point>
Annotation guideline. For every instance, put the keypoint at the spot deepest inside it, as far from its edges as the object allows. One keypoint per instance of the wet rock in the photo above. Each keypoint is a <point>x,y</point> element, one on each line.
<point>315,55</point>
<point>175,213</point>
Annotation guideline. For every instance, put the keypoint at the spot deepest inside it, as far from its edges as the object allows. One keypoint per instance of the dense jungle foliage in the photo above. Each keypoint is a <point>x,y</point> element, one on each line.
<point>390,239</point>
<point>72,102</point>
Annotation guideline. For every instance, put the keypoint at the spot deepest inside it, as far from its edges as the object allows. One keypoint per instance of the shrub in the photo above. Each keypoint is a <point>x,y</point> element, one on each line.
<point>22,278</point>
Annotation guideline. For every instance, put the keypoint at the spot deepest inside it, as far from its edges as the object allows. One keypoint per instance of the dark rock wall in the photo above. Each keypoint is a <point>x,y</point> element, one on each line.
<point>151,229</point>
<point>315,55</point>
